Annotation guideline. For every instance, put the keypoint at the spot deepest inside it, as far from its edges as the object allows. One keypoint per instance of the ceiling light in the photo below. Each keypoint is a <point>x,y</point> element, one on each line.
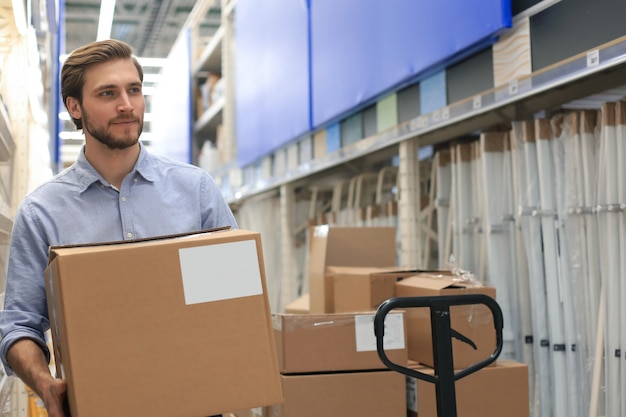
<point>105,22</point>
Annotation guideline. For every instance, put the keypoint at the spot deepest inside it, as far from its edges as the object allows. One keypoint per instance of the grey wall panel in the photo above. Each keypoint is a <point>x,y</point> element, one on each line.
<point>470,77</point>
<point>409,103</point>
<point>370,126</point>
<point>518,6</point>
<point>574,26</point>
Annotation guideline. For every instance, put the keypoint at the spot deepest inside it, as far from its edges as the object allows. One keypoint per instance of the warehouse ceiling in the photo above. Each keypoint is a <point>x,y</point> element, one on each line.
<point>150,26</point>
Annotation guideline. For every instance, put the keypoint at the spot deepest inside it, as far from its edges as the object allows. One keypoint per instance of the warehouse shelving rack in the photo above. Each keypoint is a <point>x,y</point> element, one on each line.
<point>586,74</point>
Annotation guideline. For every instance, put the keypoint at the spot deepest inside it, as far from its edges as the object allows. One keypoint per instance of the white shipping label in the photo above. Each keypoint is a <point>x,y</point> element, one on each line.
<point>220,272</point>
<point>366,339</point>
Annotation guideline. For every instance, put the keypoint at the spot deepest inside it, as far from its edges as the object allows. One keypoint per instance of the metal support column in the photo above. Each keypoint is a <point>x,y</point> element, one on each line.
<point>408,204</point>
<point>289,284</point>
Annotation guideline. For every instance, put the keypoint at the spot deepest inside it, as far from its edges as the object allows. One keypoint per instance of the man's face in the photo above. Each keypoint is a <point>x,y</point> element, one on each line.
<point>113,104</point>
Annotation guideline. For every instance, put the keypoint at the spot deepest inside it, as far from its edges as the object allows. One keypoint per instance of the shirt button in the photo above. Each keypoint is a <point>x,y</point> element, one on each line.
<point>123,198</point>
<point>134,179</point>
<point>129,235</point>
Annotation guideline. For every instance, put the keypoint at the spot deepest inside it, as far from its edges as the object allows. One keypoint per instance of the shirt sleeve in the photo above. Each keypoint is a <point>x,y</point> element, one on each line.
<point>25,312</point>
<point>215,209</point>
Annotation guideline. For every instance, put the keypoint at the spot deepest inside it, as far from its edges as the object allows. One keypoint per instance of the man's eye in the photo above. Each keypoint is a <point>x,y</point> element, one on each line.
<point>135,90</point>
<point>106,93</point>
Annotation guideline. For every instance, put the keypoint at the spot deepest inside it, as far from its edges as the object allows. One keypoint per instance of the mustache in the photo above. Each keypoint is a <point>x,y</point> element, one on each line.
<point>123,119</point>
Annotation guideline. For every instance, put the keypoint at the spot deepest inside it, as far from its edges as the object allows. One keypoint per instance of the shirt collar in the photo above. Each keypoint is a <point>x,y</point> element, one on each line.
<point>87,174</point>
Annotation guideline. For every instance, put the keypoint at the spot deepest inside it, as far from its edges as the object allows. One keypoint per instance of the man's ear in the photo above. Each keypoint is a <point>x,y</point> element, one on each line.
<point>73,107</point>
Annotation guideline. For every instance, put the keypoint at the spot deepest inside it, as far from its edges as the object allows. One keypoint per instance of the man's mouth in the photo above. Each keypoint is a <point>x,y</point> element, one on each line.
<point>124,121</point>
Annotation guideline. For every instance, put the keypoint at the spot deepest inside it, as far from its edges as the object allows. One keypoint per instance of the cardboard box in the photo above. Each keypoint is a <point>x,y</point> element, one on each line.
<point>362,394</point>
<point>147,327</point>
<point>362,288</point>
<point>494,391</point>
<point>336,342</point>
<point>345,246</point>
<point>474,321</point>
<point>299,306</point>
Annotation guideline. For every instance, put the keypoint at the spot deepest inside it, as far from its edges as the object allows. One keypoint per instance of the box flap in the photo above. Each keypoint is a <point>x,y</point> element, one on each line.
<point>437,282</point>
<point>54,249</point>
<point>361,270</point>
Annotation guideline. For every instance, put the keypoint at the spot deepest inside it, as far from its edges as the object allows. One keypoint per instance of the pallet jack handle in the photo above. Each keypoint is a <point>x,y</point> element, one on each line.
<point>444,376</point>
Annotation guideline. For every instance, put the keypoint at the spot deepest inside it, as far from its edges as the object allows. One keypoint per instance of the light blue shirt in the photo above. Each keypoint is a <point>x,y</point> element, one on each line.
<point>158,197</point>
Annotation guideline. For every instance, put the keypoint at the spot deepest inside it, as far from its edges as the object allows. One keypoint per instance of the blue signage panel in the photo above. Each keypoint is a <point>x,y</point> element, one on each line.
<point>272,75</point>
<point>362,49</point>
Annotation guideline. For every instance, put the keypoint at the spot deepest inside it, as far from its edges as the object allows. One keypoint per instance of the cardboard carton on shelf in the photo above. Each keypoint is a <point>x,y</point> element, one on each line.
<point>336,342</point>
<point>494,391</point>
<point>475,322</point>
<point>345,246</point>
<point>362,288</point>
<point>363,394</point>
<point>148,321</point>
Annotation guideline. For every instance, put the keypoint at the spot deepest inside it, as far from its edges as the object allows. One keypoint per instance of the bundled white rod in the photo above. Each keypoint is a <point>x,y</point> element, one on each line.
<point>620,113</point>
<point>451,236</point>
<point>517,183</point>
<point>529,200</point>
<point>568,238</point>
<point>426,225</point>
<point>609,219</point>
<point>519,282</point>
<point>444,186</point>
<point>499,236</point>
<point>464,247</point>
<point>477,217</point>
<point>551,264</point>
<point>572,213</point>
<point>597,364</point>
<point>578,212</point>
<point>590,151</point>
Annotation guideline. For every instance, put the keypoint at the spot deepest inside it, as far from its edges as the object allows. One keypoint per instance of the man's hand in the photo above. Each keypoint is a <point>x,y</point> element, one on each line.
<point>54,396</point>
<point>29,363</point>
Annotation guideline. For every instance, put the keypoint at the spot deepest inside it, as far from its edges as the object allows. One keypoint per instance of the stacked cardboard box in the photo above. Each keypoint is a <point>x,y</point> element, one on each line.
<point>150,324</point>
<point>329,366</point>
<point>474,322</point>
<point>328,361</point>
<point>363,394</point>
<point>345,246</point>
<point>320,343</point>
<point>500,389</point>
<point>494,391</point>
<point>359,288</point>
<point>325,372</point>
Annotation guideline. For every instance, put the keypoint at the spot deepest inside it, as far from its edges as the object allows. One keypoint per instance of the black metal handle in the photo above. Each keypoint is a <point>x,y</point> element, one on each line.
<point>444,376</point>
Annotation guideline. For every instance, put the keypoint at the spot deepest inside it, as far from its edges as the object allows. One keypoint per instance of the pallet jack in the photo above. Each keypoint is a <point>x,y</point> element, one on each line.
<point>444,376</point>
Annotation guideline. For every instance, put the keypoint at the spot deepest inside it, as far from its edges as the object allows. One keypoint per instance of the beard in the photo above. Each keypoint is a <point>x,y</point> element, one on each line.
<point>129,138</point>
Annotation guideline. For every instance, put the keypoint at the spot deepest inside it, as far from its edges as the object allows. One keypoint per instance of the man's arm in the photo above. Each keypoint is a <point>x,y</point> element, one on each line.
<point>29,363</point>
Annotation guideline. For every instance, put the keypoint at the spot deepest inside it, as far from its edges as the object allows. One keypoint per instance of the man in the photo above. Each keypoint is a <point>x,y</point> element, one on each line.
<point>116,190</point>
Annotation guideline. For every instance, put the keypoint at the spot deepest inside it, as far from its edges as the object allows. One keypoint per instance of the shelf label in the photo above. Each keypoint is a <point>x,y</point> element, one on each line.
<point>477,102</point>
<point>593,58</point>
